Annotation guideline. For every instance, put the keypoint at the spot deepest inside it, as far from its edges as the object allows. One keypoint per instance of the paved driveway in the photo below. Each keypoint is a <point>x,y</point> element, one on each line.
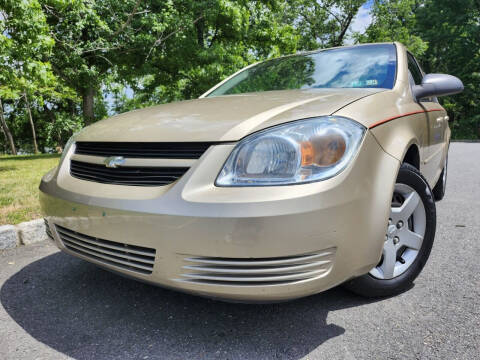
<point>54,306</point>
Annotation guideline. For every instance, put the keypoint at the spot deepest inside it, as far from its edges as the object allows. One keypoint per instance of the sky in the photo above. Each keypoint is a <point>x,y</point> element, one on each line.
<point>361,20</point>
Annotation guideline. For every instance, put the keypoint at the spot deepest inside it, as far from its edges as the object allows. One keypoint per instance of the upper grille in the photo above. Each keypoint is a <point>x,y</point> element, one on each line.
<point>126,175</point>
<point>164,150</point>
<point>130,257</point>
<point>258,272</point>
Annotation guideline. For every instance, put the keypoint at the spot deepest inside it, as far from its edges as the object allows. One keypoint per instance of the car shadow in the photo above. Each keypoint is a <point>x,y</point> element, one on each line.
<point>85,312</point>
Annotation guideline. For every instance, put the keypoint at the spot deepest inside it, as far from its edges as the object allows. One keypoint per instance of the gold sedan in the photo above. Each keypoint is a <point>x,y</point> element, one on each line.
<point>289,177</point>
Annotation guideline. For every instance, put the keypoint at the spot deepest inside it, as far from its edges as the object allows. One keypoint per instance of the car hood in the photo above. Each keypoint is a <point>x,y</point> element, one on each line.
<point>221,118</point>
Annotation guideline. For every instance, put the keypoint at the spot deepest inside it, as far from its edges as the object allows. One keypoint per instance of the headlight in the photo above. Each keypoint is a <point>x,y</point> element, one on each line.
<point>294,153</point>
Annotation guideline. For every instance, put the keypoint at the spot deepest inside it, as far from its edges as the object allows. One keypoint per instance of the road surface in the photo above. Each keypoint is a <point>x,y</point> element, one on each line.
<point>53,306</point>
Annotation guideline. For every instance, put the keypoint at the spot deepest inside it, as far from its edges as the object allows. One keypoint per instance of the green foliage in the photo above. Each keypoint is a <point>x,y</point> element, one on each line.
<point>445,36</point>
<point>193,45</point>
<point>67,63</point>
<point>24,47</point>
<point>452,29</point>
<point>290,73</point>
<point>27,81</point>
<point>57,132</point>
<point>321,23</point>
<point>395,20</point>
<point>89,39</point>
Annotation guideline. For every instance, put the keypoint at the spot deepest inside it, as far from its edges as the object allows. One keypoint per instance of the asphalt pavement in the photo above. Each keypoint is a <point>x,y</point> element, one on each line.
<point>54,306</point>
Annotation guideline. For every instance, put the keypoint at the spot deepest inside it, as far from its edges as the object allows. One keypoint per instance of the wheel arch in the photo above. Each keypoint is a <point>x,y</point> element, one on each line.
<point>400,138</point>
<point>412,155</point>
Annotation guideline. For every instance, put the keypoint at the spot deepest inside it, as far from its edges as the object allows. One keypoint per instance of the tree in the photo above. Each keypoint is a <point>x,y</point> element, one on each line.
<point>292,72</point>
<point>452,29</point>
<point>193,45</point>
<point>6,130</point>
<point>395,20</point>
<point>64,64</point>
<point>24,68</point>
<point>445,37</point>
<point>81,43</point>
<point>322,23</point>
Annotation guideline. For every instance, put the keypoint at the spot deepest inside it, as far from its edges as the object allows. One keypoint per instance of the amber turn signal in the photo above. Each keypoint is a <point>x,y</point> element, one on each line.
<point>323,150</point>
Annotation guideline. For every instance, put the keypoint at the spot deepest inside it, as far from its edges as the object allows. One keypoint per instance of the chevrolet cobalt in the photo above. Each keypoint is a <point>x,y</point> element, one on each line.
<point>290,177</point>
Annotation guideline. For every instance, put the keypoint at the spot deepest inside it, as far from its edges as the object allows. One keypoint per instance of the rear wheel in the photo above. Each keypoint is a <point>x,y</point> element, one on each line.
<point>439,189</point>
<point>408,240</point>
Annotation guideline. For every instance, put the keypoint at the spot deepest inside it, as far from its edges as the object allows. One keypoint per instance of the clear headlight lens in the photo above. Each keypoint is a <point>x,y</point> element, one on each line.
<point>297,152</point>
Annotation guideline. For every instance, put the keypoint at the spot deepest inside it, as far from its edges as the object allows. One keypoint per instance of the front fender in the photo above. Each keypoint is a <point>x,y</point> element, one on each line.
<point>395,137</point>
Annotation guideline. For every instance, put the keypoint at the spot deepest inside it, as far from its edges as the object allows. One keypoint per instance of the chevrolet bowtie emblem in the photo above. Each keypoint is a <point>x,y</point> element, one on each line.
<point>114,161</point>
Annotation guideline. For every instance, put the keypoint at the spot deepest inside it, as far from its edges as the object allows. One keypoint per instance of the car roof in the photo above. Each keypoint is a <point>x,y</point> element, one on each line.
<point>335,47</point>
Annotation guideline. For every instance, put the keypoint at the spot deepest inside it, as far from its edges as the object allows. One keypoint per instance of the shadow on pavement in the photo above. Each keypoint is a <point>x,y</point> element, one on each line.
<point>88,313</point>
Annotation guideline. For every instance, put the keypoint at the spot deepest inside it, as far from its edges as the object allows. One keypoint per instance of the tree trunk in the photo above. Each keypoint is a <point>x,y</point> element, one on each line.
<point>50,113</point>
<point>6,130</point>
<point>52,118</point>
<point>344,28</point>
<point>87,105</point>
<point>200,27</point>
<point>29,112</point>
<point>4,145</point>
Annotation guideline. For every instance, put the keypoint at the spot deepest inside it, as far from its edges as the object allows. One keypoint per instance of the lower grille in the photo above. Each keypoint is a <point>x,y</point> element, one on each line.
<point>129,257</point>
<point>257,272</point>
<point>47,229</point>
<point>126,175</point>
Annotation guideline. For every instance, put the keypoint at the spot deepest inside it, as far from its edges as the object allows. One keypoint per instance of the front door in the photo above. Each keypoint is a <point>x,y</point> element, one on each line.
<point>437,124</point>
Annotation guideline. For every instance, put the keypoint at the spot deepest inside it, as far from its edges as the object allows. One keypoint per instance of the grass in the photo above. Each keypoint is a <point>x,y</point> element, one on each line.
<point>19,180</point>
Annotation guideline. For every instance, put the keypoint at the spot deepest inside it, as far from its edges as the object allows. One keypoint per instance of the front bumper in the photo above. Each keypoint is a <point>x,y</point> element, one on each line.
<point>244,244</point>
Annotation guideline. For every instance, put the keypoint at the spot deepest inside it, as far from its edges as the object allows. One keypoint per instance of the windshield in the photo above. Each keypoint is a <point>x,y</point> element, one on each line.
<point>366,66</point>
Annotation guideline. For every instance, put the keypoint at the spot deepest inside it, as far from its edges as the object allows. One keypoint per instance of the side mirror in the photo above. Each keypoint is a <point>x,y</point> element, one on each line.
<point>437,85</point>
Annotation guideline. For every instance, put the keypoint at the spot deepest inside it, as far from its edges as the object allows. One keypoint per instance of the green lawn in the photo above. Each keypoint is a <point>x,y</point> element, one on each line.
<point>19,179</point>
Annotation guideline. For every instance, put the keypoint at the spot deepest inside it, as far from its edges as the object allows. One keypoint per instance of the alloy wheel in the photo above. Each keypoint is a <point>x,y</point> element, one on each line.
<point>405,233</point>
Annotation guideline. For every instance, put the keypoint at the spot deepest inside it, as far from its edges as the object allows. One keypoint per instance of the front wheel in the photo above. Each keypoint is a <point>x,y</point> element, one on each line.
<point>408,240</point>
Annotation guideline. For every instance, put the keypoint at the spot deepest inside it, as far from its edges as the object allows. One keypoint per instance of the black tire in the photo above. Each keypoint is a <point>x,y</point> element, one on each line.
<point>369,286</point>
<point>439,189</point>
